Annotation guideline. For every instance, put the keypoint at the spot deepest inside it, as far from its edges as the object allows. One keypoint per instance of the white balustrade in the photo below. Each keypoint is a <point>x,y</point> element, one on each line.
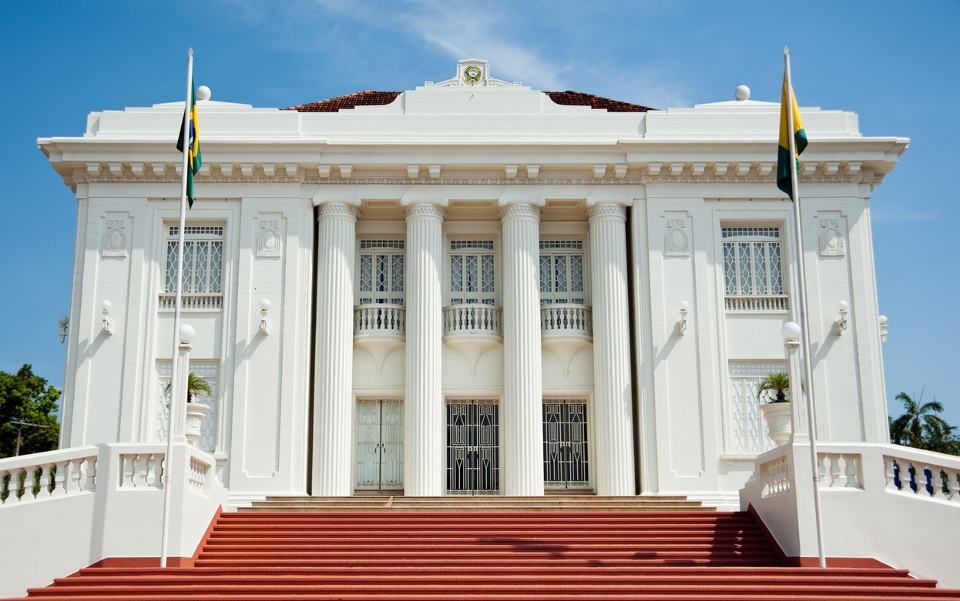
<point>922,477</point>
<point>472,320</point>
<point>566,320</point>
<point>44,475</point>
<point>775,477</point>
<point>758,304</point>
<point>197,477</point>
<point>141,470</point>
<point>379,320</point>
<point>840,470</point>
<point>192,301</point>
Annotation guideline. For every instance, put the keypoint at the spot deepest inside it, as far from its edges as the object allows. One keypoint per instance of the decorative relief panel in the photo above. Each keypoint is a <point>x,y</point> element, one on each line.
<point>833,227</point>
<point>113,242</point>
<point>676,239</point>
<point>270,235</point>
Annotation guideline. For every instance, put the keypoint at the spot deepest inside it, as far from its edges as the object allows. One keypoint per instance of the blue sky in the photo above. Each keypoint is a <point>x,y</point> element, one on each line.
<point>895,64</point>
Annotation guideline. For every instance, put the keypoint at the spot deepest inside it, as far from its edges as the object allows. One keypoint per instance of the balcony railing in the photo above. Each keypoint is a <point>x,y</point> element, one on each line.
<point>381,321</point>
<point>566,320</point>
<point>758,304</point>
<point>472,320</point>
<point>192,301</point>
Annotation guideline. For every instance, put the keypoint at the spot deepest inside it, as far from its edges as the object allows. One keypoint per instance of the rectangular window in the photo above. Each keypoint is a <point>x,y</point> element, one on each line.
<point>472,272</point>
<point>561,272</point>
<point>746,432</point>
<point>202,268</point>
<point>207,371</point>
<point>753,269</point>
<point>381,272</point>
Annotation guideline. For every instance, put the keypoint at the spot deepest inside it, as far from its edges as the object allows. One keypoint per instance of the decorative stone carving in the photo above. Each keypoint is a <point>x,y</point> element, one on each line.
<point>114,240</point>
<point>676,240</point>
<point>832,226</point>
<point>270,236</point>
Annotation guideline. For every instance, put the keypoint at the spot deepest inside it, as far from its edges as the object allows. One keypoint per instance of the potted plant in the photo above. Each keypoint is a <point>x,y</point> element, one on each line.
<point>776,411</point>
<point>195,411</point>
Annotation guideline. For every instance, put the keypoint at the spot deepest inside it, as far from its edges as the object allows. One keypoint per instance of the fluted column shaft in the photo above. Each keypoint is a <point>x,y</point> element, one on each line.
<point>522,425</point>
<point>423,404</point>
<point>613,399</point>
<point>333,396</point>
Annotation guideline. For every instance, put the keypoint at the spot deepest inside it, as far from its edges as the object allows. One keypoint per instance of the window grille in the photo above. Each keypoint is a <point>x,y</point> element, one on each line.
<point>202,260</point>
<point>746,432</point>
<point>472,272</point>
<point>753,268</point>
<point>561,272</point>
<point>207,371</point>
<point>381,272</point>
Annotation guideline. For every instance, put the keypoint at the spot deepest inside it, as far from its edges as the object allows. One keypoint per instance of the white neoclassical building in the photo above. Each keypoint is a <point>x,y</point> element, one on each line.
<point>472,287</point>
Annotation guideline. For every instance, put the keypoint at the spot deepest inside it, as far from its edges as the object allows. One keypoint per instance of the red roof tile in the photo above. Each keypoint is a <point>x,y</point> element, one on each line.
<point>332,105</point>
<point>571,98</point>
<point>378,98</point>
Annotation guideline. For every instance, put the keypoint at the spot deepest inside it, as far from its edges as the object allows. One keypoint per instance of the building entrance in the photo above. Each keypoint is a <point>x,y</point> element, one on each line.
<point>565,447</point>
<point>379,444</point>
<point>473,448</point>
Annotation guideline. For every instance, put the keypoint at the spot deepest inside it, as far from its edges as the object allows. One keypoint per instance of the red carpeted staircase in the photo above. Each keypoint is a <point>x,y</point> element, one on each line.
<point>549,550</point>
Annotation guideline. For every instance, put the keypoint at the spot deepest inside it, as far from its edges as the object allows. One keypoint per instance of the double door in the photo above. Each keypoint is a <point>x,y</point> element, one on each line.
<point>565,445</point>
<point>473,448</point>
<point>379,444</point>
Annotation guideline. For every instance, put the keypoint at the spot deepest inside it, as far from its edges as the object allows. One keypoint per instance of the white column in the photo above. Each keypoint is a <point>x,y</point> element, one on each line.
<point>423,403</point>
<point>522,425</point>
<point>333,381</point>
<point>613,399</point>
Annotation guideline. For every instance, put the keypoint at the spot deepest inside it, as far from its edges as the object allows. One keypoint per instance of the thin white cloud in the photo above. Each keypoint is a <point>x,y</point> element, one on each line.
<point>462,29</point>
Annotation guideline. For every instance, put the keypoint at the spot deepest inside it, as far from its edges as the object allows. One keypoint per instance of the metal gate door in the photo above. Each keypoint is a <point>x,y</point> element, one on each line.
<point>565,457</point>
<point>473,448</point>
<point>379,444</point>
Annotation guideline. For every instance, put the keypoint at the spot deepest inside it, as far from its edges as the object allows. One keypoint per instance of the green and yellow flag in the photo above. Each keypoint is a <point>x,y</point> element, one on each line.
<point>785,171</point>
<point>194,160</point>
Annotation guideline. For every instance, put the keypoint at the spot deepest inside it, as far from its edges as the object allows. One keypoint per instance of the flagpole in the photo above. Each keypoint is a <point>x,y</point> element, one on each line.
<point>175,392</point>
<point>802,310</point>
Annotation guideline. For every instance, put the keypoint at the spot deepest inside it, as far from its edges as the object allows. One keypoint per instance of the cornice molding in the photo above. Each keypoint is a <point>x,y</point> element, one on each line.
<point>638,174</point>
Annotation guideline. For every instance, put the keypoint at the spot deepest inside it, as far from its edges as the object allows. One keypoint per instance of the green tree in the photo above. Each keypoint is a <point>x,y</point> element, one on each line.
<point>920,426</point>
<point>26,396</point>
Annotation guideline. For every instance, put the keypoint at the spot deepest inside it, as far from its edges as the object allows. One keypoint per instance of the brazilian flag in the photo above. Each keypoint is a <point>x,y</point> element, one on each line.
<point>194,160</point>
<point>785,171</point>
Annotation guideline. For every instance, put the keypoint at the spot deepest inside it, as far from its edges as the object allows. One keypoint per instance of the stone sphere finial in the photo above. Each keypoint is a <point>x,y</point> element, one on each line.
<point>204,93</point>
<point>743,92</point>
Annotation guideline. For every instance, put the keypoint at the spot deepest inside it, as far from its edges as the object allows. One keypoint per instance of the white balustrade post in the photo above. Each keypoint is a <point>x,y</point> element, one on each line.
<point>333,396</point>
<point>522,362</point>
<point>423,406</point>
<point>613,397</point>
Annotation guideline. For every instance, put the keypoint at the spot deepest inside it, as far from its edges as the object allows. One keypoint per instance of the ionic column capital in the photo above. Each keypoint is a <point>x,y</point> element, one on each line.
<point>607,210</point>
<point>520,209</point>
<point>337,210</point>
<point>424,210</point>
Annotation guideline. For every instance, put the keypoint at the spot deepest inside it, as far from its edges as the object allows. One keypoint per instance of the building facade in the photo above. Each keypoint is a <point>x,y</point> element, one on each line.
<point>472,287</point>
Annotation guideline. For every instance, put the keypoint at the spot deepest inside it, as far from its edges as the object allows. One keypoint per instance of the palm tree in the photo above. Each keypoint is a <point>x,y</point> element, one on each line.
<point>195,385</point>
<point>778,383</point>
<point>919,422</point>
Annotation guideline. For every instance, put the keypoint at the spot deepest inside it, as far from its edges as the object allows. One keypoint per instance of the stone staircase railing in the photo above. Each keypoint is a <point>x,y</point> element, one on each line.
<point>868,491</point>
<point>99,502</point>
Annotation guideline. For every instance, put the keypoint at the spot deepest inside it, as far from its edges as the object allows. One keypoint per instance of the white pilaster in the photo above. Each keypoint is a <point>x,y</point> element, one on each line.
<point>613,403</point>
<point>522,371</point>
<point>423,403</point>
<point>333,402</point>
